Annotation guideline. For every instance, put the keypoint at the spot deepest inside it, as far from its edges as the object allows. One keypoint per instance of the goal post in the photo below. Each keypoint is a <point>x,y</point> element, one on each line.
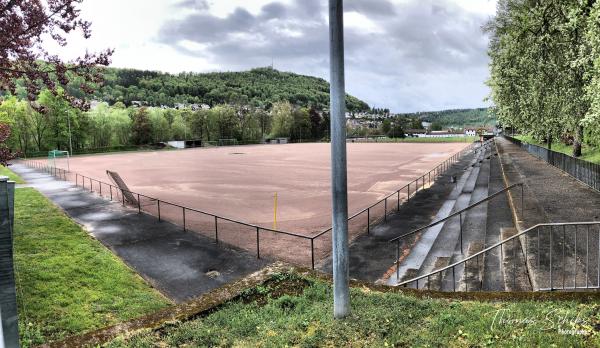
<point>228,142</point>
<point>58,159</point>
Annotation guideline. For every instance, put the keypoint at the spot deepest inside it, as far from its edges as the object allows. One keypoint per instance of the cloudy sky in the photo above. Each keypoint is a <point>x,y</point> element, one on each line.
<point>408,55</point>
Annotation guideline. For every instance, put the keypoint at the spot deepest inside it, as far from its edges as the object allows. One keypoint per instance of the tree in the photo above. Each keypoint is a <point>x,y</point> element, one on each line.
<point>435,126</point>
<point>540,67</point>
<point>5,153</point>
<point>386,126</point>
<point>315,123</point>
<point>282,119</point>
<point>141,130</point>
<point>199,124</point>
<point>23,26</point>
<point>58,113</point>
<point>396,131</point>
<point>301,127</point>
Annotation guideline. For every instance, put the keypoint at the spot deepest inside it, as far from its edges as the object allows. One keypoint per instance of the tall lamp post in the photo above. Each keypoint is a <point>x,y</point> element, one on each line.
<point>339,184</point>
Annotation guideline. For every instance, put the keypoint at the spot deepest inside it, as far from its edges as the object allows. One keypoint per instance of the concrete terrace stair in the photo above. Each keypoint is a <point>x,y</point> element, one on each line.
<point>431,250</point>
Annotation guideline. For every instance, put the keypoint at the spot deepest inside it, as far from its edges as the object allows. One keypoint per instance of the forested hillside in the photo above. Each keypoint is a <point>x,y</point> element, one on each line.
<point>257,88</point>
<point>458,118</point>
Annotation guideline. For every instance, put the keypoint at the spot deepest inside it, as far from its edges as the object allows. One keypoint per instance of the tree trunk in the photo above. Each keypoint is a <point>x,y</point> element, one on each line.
<point>578,142</point>
<point>549,141</point>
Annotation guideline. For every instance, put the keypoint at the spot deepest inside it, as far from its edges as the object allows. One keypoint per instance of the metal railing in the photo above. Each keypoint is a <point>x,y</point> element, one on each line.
<point>379,211</point>
<point>241,234</point>
<point>459,213</point>
<point>584,171</point>
<point>545,257</point>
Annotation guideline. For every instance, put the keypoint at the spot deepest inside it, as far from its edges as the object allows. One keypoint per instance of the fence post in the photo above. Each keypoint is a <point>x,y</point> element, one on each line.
<point>368,220</point>
<point>461,234</point>
<point>139,204</point>
<point>216,231</point>
<point>183,209</point>
<point>9,330</point>
<point>312,252</point>
<point>257,242</point>
<point>158,200</point>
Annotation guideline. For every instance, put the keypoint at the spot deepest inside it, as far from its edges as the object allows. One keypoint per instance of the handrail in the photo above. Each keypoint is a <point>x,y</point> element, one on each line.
<point>457,213</point>
<point>416,181</point>
<point>498,244</point>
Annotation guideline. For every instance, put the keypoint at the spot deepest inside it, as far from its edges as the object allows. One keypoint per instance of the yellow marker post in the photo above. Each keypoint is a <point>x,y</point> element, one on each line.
<point>275,211</point>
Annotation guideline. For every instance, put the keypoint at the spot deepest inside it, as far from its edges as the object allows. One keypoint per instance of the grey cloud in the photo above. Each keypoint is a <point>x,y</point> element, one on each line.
<point>193,4</point>
<point>371,7</point>
<point>422,40</point>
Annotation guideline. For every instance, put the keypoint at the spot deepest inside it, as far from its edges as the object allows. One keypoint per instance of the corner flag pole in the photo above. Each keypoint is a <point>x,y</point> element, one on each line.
<point>339,184</point>
<point>275,211</point>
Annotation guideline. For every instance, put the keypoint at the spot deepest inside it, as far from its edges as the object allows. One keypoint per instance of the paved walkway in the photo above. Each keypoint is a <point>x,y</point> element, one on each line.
<point>181,265</point>
<point>550,194</point>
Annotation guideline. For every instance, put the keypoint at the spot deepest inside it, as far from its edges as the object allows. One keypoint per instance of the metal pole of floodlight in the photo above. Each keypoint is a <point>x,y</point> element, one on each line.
<point>339,185</point>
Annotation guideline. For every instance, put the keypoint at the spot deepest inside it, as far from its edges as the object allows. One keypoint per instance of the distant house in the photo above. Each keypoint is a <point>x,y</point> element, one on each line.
<point>426,125</point>
<point>470,132</point>
<point>415,132</point>
<point>137,103</point>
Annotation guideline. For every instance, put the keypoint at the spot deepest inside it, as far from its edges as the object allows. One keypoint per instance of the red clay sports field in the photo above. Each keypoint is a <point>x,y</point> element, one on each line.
<point>240,183</point>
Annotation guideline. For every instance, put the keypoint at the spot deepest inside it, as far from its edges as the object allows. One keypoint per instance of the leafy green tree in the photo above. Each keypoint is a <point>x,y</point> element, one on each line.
<point>301,127</point>
<point>141,130</point>
<point>283,119</point>
<point>161,130</point>
<point>386,126</point>
<point>396,131</point>
<point>541,67</point>
<point>436,126</point>
<point>179,128</point>
<point>58,113</point>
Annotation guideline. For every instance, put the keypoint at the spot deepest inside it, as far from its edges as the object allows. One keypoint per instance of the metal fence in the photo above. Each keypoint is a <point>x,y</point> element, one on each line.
<point>9,331</point>
<point>458,214</point>
<point>545,257</point>
<point>289,246</point>
<point>584,171</point>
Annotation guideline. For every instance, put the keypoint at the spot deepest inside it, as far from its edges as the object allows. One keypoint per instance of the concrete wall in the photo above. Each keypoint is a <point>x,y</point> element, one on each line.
<point>9,334</point>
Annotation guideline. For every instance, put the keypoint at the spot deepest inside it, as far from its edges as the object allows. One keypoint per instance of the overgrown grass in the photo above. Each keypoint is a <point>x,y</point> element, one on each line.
<point>588,153</point>
<point>378,319</point>
<point>4,171</point>
<point>67,282</point>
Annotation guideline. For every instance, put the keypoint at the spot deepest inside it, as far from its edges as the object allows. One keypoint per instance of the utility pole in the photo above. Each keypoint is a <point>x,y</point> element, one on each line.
<point>339,183</point>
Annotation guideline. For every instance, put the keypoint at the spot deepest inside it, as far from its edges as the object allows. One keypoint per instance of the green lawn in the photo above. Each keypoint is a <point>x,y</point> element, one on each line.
<point>67,282</point>
<point>4,171</point>
<point>280,315</point>
<point>589,153</point>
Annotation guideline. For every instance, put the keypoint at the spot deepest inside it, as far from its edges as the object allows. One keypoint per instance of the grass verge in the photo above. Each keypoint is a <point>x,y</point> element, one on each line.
<point>4,171</point>
<point>293,311</point>
<point>67,282</point>
<point>588,153</point>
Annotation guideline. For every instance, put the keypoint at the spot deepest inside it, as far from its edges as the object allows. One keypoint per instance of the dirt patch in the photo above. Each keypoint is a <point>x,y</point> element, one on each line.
<point>279,285</point>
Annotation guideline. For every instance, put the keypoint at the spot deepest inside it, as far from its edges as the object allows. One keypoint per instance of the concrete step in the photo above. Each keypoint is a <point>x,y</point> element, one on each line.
<point>449,243</point>
<point>472,275</point>
<point>460,198</point>
<point>499,216</point>
<point>516,276</point>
